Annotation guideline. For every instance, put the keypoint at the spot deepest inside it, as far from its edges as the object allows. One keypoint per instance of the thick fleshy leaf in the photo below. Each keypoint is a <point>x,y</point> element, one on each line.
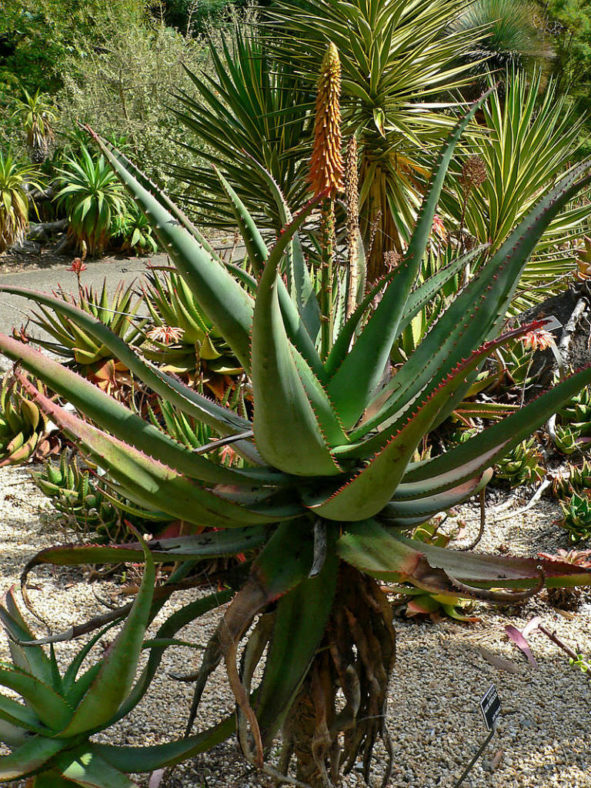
<point>151,483</point>
<point>482,450</point>
<point>282,566</point>
<point>88,769</point>
<point>32,660</point>
<point>361,371</point>
<point>146,759</point>
<point>222,299</point>
<point>51,709</point>
<point>119,419</point>
<point>417,510</point>
<point>295,640</point>
<point>287,430</point>
<point>299,283</point>
<point>478,311</point>
<point>389,556</point>
<point>186,399</point>
<point>182,548</point>
<point>29,757</point>
<point>170,627</point>
<point>119,664</point>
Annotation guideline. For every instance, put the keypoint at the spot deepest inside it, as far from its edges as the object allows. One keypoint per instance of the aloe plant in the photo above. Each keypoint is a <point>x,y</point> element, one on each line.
<point>22,424</point>
<point>328,485</point>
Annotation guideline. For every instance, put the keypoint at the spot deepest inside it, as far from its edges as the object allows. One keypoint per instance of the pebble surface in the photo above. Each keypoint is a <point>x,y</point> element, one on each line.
<point>543,737</point>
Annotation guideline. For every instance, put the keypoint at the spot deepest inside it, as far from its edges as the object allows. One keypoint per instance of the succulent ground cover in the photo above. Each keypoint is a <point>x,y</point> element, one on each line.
<point>324,488</point>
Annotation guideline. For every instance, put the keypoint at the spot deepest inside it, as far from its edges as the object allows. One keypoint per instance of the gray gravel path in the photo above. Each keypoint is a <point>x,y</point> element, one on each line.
<point>442,670</point>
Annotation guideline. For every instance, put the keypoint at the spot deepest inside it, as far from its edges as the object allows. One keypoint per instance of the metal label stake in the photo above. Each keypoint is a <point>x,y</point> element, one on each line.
<point>490,706</point>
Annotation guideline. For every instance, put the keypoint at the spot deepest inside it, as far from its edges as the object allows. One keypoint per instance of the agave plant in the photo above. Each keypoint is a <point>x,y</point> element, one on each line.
<point>182,337</point>
<point>92,197</point>
<point>14,202</point>
<point>576,516</point>
<point>328,485</point>
<point>49,728</point>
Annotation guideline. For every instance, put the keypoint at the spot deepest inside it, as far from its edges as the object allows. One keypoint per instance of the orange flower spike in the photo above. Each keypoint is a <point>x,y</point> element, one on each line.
<point>326,165</point>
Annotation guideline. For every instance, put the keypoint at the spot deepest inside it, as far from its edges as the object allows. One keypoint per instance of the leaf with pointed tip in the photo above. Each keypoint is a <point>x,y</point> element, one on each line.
<point>287,430</point>
<point>356,379</point>
<point>153,484</point>
<point>414,511</point>
<point>479,310</point>
<point>120,420</point>
<point>119,664</point>
<point>299,283</point>
<point>425,293</point>
<point>32,660</point>
<point>222,299</point>
<point>163,199</point>
<point>256,248</point>
<point>170,627</point>
<point>483,450</point>
<point>182,548</point>
<point>439,397</point>
<point>187,399</point>
<point>389,556</point>
<point>48,705</point>
<point>19,716</point>
<point>146,759</point>
<point>29,757</point>
<point>365,494</point>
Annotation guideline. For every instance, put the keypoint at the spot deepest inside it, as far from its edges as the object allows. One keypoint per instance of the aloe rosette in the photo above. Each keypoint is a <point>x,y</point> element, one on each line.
<point>328,483</point>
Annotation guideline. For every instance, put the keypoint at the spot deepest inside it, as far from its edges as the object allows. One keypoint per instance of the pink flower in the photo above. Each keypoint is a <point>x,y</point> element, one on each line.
<point>537,339</point>
<point>77,266</point>
<point>165,334</point>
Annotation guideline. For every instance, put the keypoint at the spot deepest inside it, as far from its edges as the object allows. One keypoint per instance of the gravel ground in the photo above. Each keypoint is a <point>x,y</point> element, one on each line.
<point>442,671</point>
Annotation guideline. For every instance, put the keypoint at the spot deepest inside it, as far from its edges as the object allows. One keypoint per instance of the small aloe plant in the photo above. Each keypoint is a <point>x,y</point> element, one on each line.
<point>22,424</point>
<point>329,486</point>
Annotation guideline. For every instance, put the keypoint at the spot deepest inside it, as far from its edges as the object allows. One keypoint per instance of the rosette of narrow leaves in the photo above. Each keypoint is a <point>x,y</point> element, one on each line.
<point>329,483</point>
<point>194,342</point>
<point>22,424</point>
<point>78,346</point>
<point>77,493</point>
<point>91,197</point>
<point>577,517</point>
<point>133,232</point>
<point>521,465</point>
<point>574,479</point>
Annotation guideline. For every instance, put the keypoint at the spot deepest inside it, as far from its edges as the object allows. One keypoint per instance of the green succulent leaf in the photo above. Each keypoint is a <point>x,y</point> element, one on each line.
<point>223,300</point>
<point>115,677</point>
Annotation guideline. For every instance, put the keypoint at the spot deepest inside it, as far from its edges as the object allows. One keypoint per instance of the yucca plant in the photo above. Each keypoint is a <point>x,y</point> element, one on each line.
<point>514,33</point>
<point>37,114</point>
<point>533,139</point>
<point>14,202</point>
<point>328,486</point>
<point>91,196</point>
